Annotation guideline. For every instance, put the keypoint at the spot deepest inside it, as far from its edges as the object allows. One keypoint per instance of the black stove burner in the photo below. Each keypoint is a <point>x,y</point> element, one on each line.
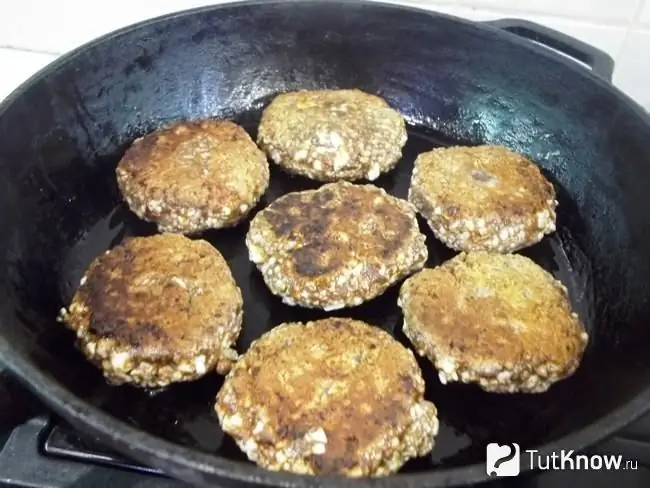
<point>39,451</point>
<point>64,442</point>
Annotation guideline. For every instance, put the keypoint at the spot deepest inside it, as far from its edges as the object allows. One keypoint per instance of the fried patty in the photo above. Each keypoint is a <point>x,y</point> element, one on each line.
<point>484,198</point>
<point>337,246</point>
<point>193,176</point>
<point>330,135</point>
<point>156,310</point>
<point>335,396</point>
<point>498,320</point>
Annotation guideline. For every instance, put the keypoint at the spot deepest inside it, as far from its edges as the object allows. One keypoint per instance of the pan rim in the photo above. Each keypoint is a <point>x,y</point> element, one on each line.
<point>378,4</point>
<point>146,447</point>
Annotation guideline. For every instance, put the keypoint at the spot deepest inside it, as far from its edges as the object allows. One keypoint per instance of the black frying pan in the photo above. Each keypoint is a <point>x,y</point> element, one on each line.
<point>63,131</point>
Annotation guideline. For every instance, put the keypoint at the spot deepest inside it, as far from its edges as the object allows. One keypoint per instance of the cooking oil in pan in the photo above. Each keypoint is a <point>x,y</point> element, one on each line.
<point>470,418</point>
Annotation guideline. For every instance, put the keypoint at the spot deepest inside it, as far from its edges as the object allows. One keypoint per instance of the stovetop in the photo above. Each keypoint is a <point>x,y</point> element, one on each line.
<point>38,450</point>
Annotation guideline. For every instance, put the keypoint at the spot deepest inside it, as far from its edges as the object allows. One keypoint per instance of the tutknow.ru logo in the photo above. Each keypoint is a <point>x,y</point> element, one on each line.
<point>505,460</point>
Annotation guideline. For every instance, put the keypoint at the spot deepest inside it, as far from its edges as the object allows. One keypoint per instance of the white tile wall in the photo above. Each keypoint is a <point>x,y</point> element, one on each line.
<point>32,32</point>
<point>633,71</point>
<point>644,18</point>
<point>61,25</point>
<point>608,37</point>
<point>603,10</point>
<point>17,66</point>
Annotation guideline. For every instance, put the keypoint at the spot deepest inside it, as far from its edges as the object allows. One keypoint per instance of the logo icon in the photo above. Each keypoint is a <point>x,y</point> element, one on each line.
<point>502,460</point>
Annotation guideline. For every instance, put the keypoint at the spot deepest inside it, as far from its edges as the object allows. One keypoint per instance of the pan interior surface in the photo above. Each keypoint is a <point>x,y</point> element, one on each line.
<point>184,413</point>
<point>456,83</point>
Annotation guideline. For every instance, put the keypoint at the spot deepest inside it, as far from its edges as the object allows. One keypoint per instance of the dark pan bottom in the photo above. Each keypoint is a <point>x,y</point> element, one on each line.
<point>183,413</point>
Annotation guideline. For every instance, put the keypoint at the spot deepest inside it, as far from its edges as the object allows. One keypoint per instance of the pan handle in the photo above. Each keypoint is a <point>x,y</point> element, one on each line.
<point>600,62</point>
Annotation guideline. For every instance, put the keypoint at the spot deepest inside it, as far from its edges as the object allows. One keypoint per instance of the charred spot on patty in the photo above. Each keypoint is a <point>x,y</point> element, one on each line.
<point>155,310</point>
<point>336,246</point>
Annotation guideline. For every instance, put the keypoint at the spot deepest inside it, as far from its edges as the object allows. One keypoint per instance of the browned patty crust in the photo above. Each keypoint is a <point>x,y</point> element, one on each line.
<point>156,310</point>
<point>193,176</point>
<point>498,320</point>
<point>337,246</point>
<point>484,198</point>
<point>334,396</point>
<point>330,135</point>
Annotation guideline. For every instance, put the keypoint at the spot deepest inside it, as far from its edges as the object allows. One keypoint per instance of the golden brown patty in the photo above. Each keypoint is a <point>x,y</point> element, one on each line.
<point>334,396</point>
<point>498,320</point>
<point>193,176</point>
<point>337,246</point>
<point>483,198</point>
<point>156,310</point>
<point>330,135</point>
